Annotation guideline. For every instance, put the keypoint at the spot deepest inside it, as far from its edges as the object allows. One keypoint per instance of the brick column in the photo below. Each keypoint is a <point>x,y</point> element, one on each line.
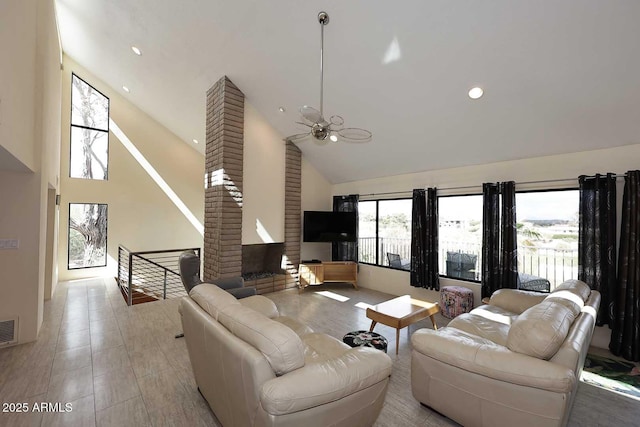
<point>292,212</point>
<point>223,181</point>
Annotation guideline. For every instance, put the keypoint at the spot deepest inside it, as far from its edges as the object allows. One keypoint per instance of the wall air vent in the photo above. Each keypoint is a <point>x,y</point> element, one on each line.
<point>8,331</point>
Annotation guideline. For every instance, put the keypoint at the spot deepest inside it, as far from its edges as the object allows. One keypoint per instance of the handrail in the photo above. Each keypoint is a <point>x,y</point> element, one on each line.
<point>197,250</point>
<point>137,254</point>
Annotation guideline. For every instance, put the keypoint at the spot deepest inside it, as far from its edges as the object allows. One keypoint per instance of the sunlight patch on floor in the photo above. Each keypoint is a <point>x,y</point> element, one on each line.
<point>333,295</point>
<point>364,305</point>
<point>607,384</point>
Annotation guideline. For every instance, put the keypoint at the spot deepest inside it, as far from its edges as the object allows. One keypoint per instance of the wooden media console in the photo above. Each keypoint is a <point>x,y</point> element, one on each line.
<point>330,271</point>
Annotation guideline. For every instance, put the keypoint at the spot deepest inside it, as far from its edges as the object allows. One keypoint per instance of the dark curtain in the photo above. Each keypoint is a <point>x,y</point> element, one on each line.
<point>625,336</point>
<point>424,239</point>
<point>508,237</point>
<point>499,237</point>
<point>597,239</point>
<point>490,238</point>
<point>345,251</point>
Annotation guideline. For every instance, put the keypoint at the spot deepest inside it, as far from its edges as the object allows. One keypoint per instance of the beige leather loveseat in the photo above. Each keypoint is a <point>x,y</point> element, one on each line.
<point>257,368</point>
<point>514,362</point>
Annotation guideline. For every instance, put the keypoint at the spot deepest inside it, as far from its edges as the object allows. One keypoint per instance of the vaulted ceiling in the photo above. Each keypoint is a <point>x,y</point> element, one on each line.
<point>558,76</point>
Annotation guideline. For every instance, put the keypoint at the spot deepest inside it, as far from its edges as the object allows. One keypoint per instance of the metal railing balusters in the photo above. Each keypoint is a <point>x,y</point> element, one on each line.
<point>129,278</point>
<point>556,265</point>
<point>150,274</point>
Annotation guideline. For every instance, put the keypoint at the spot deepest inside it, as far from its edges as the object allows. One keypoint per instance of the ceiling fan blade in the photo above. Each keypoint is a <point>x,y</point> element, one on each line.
<point>297,137</point>
<point>311,114</point>
<point>336,120</point>
<point>304,124</point>
<point>355,134</point>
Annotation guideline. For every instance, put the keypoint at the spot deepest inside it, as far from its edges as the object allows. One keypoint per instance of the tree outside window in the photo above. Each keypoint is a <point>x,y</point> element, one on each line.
<point>87,235</point>
<point>89,131</point>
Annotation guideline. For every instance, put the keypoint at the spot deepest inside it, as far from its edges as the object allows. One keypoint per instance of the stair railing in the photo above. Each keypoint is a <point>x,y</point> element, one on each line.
<point>150,275</point>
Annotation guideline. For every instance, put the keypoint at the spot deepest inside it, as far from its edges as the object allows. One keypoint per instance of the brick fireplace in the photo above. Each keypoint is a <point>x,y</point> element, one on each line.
<point>223,250</point>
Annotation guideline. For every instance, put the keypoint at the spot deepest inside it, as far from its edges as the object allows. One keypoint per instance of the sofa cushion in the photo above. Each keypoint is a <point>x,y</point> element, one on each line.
<point>298,327</point>
<point>515,301</point>
<point>578,287</point>
<point>212,299</point>
<point>567,298</point>
<point>322,347</point>
<point>540,331</point>
<point>483,324</point>
<point>280,345</point>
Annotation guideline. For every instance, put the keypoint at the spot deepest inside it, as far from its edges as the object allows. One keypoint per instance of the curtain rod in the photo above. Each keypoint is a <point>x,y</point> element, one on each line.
<point>468,187</point>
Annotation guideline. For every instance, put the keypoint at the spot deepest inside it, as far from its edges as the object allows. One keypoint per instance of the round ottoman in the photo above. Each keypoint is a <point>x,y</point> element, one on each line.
<point>365,339</point>
<point>455,300</point>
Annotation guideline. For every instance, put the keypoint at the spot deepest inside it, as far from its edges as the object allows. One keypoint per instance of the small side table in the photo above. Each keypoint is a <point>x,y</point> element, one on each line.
<point>401,312</point>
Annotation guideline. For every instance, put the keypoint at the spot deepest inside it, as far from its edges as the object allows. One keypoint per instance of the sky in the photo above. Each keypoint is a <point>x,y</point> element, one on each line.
<point>561,204</point>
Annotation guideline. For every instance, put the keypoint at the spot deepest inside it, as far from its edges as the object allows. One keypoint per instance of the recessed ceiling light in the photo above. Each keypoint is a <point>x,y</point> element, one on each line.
<point>475,92</point>
<point>333,138</point>
<point>126,89</point>
<point>195,141</point>
<point>136,50</point>
<point>282,109</point>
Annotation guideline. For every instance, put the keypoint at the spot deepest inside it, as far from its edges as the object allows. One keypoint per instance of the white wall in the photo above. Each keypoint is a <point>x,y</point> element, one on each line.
<point>263,180</point>
<point>20,269</point>
<point>18,20</point>
<point>29,129</point>
<point>566,166</point>
<point>263,187</point>
<point>141,216</point>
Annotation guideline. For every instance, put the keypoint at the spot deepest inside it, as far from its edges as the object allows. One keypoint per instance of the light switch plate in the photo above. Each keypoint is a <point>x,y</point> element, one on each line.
<point>9,243</point>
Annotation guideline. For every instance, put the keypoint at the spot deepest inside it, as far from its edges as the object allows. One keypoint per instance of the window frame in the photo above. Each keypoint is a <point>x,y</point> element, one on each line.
<point>106,237</point>
<point>440,273</point>
<point>71,126</point>
<point>377,237</point>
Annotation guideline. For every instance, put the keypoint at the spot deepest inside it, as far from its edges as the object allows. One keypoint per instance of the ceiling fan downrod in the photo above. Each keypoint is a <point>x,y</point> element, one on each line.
<point>323,19</point>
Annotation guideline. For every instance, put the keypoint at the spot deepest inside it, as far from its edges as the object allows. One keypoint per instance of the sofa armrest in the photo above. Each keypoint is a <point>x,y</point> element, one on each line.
<point>227,283</point>
<point>319,383</point>
<point>483,357</point>
<point>516,301</point>
<point>240,293</point>
<point>261,304</point>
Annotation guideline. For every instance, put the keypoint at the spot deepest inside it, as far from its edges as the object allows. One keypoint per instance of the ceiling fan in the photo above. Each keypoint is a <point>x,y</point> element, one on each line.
<point>319,128</point>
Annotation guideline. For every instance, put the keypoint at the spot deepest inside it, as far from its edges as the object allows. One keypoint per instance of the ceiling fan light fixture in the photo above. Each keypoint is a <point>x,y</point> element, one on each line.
<point>319,128</point>
<point>319,131</point>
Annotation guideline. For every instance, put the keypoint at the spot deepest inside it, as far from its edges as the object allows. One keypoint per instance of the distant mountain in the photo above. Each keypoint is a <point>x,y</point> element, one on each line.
<point>547,222</point>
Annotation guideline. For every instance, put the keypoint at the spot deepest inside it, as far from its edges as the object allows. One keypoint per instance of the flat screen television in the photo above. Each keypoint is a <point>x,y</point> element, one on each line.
<point>320,226</point>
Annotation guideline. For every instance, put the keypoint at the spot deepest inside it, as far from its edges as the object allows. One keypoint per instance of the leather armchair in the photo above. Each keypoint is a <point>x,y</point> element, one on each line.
<point>514,361</point>
<point>258,368</point>
<point>235,286</point>
<point>189,264</point>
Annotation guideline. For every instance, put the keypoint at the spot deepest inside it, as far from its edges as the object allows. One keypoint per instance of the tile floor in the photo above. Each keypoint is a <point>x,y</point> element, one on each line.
<point>122,366</point>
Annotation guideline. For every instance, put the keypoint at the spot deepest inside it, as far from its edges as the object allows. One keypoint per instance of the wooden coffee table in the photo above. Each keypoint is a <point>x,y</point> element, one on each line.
<point>401,312</point>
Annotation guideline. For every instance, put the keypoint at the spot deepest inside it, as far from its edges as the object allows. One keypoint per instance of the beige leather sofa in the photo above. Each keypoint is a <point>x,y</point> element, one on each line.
<point>514,362</point>
<point>257,368</point>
